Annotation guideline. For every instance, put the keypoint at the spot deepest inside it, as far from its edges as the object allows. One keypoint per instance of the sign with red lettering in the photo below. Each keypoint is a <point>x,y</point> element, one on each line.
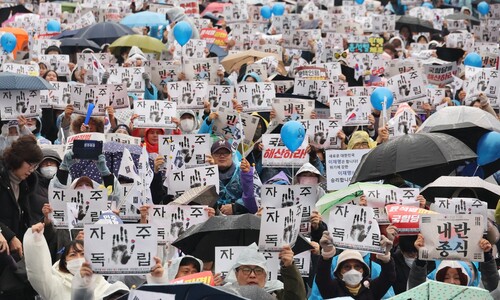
<point>203,277</point>
<point>214,36</point>
<point>275,153</point>
<point>406,218</point>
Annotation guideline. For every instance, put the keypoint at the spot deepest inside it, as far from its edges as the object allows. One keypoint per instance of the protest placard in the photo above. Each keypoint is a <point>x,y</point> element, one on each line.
<point>171,221</point>
<point>407,86</point>
<point>277,196</point>
<point>403,122</point>
<point>236,12</point>
<point>354,227</point>
<point>323,133</point>
<point>230,123</point>
<point>18,102</point>
<point>163,72</point>
<point>82,95</point>
<point>201,69</point>
<point>255,96</point>
<point>440,73</point>
<point>316,89</point>
<point>146,295</point>
<point>123,139</point>
<point>31,70</point>
<point>340,167</point>
<point>461,206</point>
<point>188,94</point>
<point>154,114</point>
<point>90,204</point>
<point>292,109</point>
<point>276,154</point>
<point>120,248</point>
<point>405,217</point>
<point>194,48</point>
<point>58,63</point>
<point>279,227</point>
<point>180,181</point>
<point>214,36</point>
<point>454,237</point>
<point>220,95</point>
<point>350,110</point>
<point>203,277</point>
<point>131,77</point>
<point>128,212</point>
<point>184,151</point>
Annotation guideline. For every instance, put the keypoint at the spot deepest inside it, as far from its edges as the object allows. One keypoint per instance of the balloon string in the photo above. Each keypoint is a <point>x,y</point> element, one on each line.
<point>475,171</point>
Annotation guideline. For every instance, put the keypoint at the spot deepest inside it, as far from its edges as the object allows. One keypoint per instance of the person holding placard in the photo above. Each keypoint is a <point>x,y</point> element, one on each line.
<point>457,272</point>
<point>251,269</point>
<point>352,273</point>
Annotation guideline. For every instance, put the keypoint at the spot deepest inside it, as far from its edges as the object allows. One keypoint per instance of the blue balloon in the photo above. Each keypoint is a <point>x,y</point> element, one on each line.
<point>266,12</point>
<point>8,42</point>
<point>278,9</point>
<point>473,60</point>
<point>378,96</point>
<point>292,135</point>
<point>53,26</point>
<point>360,1</point>
<point>483,8</point>
<point>487,148</point>
<point>428,5</point>
<point>182,32</point>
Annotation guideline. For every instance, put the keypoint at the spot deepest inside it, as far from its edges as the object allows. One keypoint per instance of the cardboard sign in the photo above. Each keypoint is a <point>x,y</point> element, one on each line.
<point>180,181</point>
<point>188,94</point>
<point>154,114</point>
<point>279,227</point>
<point>340,167</point>
<point>292,109</point>
<point>275,153</point>
<point>406,218</point>
<point>323,133</point>
<point>18,102</point>
<point>256,96</point>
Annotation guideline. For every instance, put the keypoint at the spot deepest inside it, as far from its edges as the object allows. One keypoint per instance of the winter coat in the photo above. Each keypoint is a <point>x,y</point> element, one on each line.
<point>369,290</point>
<point>240,185</point>
<point>49,281</point>
<point>14,214</point>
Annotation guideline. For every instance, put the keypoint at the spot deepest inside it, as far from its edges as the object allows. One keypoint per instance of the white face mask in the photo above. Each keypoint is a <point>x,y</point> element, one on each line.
<point>32,128</point>
<point>352,277</point>
<point>409,261</point>
<point>75,265</point>
<point>187,125</point>
<point>48,172</point>
<point>308,180</point>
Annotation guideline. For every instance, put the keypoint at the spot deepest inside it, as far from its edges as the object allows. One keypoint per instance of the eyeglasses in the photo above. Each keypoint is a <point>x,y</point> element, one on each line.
<point>338,55</point>
<point>222,154</point>
<point>33,166</point>
<point>247,271</point>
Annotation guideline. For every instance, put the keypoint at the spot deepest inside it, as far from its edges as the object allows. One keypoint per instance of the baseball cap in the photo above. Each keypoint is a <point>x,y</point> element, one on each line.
<point>222,144</point>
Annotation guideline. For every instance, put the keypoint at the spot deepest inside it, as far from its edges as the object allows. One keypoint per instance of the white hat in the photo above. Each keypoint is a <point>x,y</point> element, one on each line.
<point>348,255</point>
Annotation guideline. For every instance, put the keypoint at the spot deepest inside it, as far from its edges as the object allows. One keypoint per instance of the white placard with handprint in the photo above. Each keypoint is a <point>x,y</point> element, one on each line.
<point>407,86</point>
<point>317,89</point>
<point>278,196</point>
<point>354,227</point>
<point>229,125</point>
<point>31,70</point>
<point>184,151</point>
<point>180,181</point>
<point>82,96</point>
<point>188,94</point>
<point>323,133</point>
<point>220,95</point>
<point>59,63</point>
<point>163,72</point>
<point>350,110</point>
<point>125,249</point>
<point>58,98</point>
<point>404,122</point>
<point>461,206</point>
<point>130,77</point>
<point>16,103</point>
<point>127,210</point>
<point>279,227</point>
<point>193,49</point>
<point>256,96</point>
<point>173,220</point>
<point>292,109</point>
<point>154,113</point>
<point>90,205</point>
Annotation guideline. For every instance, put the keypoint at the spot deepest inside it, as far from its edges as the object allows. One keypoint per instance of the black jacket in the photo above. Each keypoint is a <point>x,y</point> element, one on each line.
<point>14,215</point>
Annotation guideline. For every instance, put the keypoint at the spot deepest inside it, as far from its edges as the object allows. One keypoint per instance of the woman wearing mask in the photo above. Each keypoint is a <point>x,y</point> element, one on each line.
<point>71,277</point>
<point>187,123</point>
<point>352,273</point>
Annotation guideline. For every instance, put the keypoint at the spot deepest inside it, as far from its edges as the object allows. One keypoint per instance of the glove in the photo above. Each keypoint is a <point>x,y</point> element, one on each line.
<point>483,100</point>
<point>105,77</point>
<point>386,257</point>
<point>67,162</point>
<point>326,243</point>
<point>147,79</point>
<point>101,165</point>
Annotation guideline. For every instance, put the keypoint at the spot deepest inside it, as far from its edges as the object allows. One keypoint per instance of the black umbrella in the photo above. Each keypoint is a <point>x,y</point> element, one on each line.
<point>13,81</point>
<point>66,34</point>
<point>242,230</point>
<point>415,24</point>
<point>7,12</point>
<point>419,158</point>
<point>451,186</point>
<point>104,33</point>
<point>69,45</point>
<point>462,16</point>
<point>468,124</point>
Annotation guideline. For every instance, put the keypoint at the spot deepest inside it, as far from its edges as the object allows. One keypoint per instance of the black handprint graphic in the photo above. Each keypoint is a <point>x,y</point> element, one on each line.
<point>195,180</point>
<point>404,89</point>
<point>120,251</point>
<point>177,223</point>
<point>319,134</point>
<point>287,233</point>
<point>186,152</point>
<point>359,229</point>
<point>287,199</point>
<point>155,116</point>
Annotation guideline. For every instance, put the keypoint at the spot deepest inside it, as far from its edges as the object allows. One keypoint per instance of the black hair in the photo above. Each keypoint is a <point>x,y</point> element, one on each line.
<point>407,243</point>
<point>71,245</point>
<point>189,261</point>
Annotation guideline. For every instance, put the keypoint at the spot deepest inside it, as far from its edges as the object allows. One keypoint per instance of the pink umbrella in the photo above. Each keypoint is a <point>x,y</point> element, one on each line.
<point>12,19</point>
<point>215,8</point>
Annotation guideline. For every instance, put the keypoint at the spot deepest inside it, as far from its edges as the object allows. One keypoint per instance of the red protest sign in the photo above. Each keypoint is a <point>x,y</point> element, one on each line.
<point>406,218</point>
<point>204,277</point>
<point>214,36</point>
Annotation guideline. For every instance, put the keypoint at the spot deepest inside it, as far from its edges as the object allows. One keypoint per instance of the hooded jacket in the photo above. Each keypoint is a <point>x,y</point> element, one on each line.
<point>174,266</point>
<point>176,14</point>
<point>307,167</point>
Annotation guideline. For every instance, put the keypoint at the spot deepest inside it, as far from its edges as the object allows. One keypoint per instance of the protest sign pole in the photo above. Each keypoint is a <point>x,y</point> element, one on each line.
<point>384,111</point>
